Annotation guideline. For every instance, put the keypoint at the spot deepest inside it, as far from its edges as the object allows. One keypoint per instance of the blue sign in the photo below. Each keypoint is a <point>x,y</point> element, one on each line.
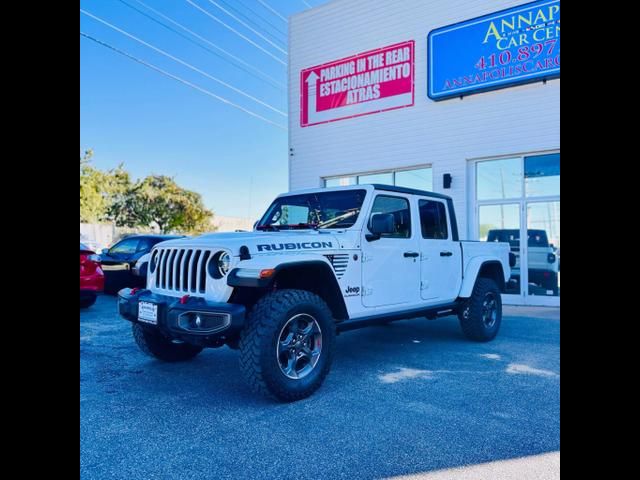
<point>511,47</point>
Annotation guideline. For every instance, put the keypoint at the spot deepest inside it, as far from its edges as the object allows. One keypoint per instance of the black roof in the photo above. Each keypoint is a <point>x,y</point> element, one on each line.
<point>411,191</point>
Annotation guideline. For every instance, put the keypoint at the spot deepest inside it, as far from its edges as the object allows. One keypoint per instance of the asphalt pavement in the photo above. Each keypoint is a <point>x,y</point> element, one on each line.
<point>412,399</point>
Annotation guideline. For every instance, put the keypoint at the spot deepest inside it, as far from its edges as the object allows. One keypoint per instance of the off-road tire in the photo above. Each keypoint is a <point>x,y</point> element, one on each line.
<point>259,342</point>
<point>156,345</point>
<point>471,316</point>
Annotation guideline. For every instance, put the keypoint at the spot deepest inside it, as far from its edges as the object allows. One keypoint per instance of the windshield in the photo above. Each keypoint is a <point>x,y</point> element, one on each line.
<point>338,209</point>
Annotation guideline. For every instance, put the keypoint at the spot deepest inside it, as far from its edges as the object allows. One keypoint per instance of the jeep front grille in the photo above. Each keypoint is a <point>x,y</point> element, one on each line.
<point>339,262</point>
<point>182,270</point>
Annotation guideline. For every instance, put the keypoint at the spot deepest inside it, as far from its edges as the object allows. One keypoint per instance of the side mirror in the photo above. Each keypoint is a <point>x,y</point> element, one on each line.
<point>105,251</point>
<point>381,223</point>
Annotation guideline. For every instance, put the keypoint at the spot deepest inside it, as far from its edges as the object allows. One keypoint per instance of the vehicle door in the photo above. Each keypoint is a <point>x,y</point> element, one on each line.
<point>441,256</point>
<point>390,263</point>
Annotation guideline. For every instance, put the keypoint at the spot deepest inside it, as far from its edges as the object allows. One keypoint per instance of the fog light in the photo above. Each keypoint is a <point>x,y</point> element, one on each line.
<point>201,322</point>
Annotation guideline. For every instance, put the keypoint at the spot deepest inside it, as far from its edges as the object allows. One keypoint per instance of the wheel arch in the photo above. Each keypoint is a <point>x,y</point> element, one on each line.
<point>313,275</point>
<point>485,268</point>
<point>317,277</point>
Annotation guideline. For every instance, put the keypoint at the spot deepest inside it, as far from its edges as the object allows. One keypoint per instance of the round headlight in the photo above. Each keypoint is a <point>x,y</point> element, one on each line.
<point>224,262</point>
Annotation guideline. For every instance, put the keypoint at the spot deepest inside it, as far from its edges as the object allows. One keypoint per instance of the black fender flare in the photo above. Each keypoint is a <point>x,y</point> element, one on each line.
<point>329,289</point>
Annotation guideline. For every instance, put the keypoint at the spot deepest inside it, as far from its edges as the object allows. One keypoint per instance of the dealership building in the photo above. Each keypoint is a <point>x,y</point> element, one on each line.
<point>460,97</point>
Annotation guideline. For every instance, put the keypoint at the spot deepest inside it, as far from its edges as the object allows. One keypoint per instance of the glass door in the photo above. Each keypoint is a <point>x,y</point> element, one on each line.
<point>501,223</point>
<point>543,253</point>
<point>517,201</point>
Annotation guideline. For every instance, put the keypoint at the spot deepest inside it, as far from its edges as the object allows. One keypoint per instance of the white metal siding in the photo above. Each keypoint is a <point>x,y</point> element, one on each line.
<point>443,134</point>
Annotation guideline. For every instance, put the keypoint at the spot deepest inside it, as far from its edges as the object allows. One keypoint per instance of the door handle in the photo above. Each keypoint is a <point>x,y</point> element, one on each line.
<point>446,254</point>
<point>411,254</point>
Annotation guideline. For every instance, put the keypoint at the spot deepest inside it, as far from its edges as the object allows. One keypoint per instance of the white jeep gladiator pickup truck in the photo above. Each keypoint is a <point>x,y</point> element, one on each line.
<point>318,263</point>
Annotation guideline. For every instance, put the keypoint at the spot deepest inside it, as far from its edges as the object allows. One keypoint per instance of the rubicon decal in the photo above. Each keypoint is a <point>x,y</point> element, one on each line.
<point>293,246</point>
<point>366,83</point>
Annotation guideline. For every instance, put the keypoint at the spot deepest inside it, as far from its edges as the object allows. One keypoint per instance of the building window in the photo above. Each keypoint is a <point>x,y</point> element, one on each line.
<point>340,181</point>
<point>418,178</point>
<point>383,178</point>
<point>519,198</point>
<point>499,179</point>
<point>542,175</point>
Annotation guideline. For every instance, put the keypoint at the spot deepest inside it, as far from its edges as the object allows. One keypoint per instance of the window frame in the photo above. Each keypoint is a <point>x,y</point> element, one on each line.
<point>361,213</point>
<point>386,235</point>
<point>393,173</point>
<point>446,218</point>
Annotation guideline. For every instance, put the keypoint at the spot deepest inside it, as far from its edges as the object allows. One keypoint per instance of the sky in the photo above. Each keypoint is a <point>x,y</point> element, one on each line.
<point>153,124</point>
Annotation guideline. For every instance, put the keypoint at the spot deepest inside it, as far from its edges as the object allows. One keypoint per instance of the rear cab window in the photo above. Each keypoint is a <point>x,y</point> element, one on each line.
<point>433,219</point>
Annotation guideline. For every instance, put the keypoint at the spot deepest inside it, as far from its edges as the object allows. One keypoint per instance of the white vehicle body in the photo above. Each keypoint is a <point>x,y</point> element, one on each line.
<point>140,263</point>
<point>318,263</point>
<point>380,277</point>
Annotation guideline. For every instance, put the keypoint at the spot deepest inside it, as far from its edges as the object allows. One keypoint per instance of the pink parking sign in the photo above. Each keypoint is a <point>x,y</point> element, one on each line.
<point>366,83</point>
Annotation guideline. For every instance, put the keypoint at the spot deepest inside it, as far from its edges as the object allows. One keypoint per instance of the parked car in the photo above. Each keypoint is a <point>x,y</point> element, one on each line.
<point>319,262</point>
<point>91,276</point>
<point>119,260</point>
<point>543,258</point>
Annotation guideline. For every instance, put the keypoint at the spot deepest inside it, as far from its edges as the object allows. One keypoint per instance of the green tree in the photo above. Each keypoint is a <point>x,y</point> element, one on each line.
<point>159,199</point>
<point>100,190</point>
<point>111,196</point>
<point>92,202</point>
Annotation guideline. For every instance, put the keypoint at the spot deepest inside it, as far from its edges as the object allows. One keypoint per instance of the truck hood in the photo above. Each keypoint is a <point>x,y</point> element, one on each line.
<point>259,242</point>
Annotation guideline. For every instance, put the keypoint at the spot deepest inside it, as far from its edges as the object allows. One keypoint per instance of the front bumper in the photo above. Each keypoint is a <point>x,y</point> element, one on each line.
<point>195,321</point>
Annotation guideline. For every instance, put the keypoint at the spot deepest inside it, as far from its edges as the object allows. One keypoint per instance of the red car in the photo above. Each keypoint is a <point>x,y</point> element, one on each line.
<point>91,276</point>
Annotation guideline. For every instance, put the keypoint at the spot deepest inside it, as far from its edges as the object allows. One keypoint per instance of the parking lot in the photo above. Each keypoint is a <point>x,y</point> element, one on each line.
<point>407,398</point>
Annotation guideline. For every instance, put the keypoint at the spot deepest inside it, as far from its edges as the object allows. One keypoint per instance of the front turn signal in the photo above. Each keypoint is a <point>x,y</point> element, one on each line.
<point>267,273</point>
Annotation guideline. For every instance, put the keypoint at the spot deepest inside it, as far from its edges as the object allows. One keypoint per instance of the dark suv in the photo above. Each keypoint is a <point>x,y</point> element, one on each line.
<point>119,260</point>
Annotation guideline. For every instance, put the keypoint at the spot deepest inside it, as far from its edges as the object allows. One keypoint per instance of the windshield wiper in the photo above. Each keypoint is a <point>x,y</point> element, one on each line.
<point>267,227</point>
<point>299,226</point>
<point>339,218</point>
